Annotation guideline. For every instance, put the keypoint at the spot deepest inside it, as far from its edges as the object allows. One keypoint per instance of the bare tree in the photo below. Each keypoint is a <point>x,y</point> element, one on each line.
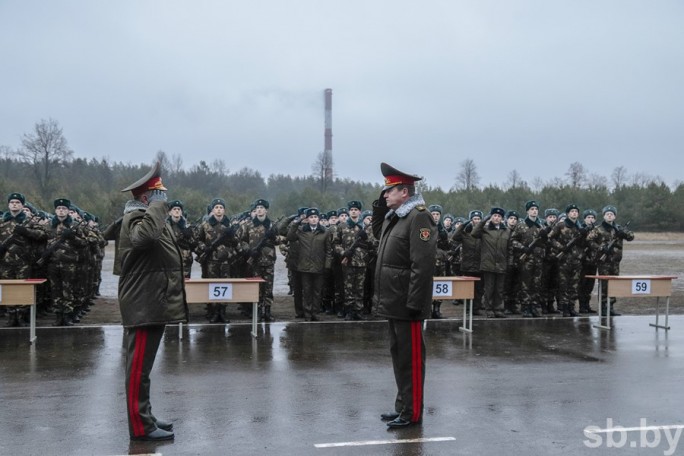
<point>467,178</point>
<point>619,176</point>
<point>176,164</point>
<point>576,174</point>
<point>45,148</point>
<point>322,169</point>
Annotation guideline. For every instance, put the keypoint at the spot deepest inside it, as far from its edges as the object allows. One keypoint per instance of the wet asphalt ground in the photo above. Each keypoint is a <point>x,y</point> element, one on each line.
<point>513,387</point>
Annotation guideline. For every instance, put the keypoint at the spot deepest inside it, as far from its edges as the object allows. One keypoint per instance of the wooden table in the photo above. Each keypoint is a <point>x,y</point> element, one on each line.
<point>221,291</point>
<point>457,287</point>
<point>21,292</point>
<point>635,286</point>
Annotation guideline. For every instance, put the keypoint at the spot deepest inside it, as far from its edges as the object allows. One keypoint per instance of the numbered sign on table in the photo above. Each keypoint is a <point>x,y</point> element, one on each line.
<point>441,289</point>
<point>641,286</point>
<point>220,291</point>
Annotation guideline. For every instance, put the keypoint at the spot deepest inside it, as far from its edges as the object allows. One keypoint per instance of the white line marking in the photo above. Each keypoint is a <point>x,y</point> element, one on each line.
<point>632,429</point>
<point>383,442</point>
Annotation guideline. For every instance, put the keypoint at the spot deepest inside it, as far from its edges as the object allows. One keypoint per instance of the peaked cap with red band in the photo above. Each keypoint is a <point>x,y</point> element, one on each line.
<point>150,181</point>
<point>395,177</point>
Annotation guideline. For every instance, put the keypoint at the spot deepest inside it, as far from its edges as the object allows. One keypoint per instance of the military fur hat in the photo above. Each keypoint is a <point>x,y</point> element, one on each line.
<point>332,213</point>
<point>610,208</point>
<point>323,216</point>
<point>313,211</point>
<point>588,212</point>
<point>460,220</point>
<point>365,214</point>
<point>216,202</point>
<point>16,196</point>
<point>354,203</point>
<point>302,210</point>
<point>435,208</point>
<point>475,213</point>
<point>150,181</point>
<point>62,202</point>
<point>570,207</point>
<point>531,204</point>
<point>176,203</point>
<point>448,216</point>
<point>342,210</point>
<point>497,210</point>
<point>551,211</point>
<point>261,202</point>
<point>512,214</point>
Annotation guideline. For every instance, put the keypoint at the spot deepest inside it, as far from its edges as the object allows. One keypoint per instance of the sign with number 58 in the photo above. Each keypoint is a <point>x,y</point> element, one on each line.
<point>441,289</point>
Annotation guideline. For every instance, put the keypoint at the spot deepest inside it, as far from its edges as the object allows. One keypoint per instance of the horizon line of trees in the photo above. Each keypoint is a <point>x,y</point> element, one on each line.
<point>44,169</point>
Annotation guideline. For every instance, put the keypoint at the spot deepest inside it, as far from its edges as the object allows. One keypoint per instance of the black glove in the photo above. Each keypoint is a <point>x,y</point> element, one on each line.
<point>381,201</point>
<point>584,230</point>
<point>414,314</point>
<point>362,235</point>
<point>254,253</point>
<point>68,233</point>
<point>442,234</point>
<point>622,234</point>
<point>527,249</point>
<point>544,233</point>
<point>21,230</point>
<point>3,250</point>
<point>348,254</point>
<point>271,235</point>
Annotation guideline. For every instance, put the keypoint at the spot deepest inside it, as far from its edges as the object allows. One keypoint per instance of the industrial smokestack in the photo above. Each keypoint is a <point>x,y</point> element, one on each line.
<point>327,149</point>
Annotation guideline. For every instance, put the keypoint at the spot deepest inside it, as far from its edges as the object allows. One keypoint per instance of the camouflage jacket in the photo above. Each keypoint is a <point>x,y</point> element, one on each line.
<point>347,242</point>
<point>21,247</point>
<point>216,240</point>
<point>185,238</point>
<point>258,239</point>
<point>601,237</point>
<point>67,241</point>
<point>567,241</point>
<point>528,233</point>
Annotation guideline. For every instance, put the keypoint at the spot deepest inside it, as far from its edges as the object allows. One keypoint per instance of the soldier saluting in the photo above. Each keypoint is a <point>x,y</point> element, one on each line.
<point>151,294</point>
<point>403,286</point>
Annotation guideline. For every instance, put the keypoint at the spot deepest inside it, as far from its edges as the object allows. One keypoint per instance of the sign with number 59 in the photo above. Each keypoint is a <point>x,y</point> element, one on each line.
<point>641,286</point>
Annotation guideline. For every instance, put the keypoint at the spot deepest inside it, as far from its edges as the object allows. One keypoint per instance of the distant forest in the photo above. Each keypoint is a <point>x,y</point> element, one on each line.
<point>94,185</point>
<point>43,168</point>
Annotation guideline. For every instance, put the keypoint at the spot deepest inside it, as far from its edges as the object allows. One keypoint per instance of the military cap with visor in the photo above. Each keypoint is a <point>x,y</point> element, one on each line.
<point>150,181</point>
<point>394,177</point>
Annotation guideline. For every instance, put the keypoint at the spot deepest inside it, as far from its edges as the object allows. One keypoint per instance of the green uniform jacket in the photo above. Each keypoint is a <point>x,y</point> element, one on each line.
<point>493,246</point>
<point>151,288</point>
<point>406,259</point>
<point>314,249</point>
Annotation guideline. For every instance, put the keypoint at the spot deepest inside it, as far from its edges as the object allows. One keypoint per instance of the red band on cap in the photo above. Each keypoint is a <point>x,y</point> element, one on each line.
<point>397,180</point>
<point>153,184</point>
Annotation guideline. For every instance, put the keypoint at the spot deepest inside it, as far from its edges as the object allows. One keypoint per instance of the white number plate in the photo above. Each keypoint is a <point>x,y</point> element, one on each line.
<point>220,291</point>
<point>641,286</point>
<point>441,289</point>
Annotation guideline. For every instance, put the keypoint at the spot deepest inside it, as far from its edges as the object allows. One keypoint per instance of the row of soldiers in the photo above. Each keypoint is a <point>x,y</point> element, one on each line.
<point>245,246</point>
<point>534,265</point>
<point>65,247</point>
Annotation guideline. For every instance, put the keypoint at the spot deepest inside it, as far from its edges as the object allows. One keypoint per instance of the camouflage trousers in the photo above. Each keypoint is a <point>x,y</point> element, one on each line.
<point>530,282</point>
<point>63,280</point>
<point>586,285</point>
<point>266,288</point>
<point>569,275</point>
<point>354,278</point>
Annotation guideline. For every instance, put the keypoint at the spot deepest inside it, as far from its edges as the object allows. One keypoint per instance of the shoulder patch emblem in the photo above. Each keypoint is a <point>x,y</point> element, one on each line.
<point>425,234</point>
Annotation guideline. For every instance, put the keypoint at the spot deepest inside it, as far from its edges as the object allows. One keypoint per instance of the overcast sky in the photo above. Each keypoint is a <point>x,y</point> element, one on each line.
<point>511,84</point>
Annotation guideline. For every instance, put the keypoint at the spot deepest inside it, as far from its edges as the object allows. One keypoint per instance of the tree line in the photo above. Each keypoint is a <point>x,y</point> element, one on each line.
<point>43,168</point>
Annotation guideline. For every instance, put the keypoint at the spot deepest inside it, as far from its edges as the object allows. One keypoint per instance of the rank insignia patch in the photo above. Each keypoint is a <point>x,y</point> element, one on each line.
<point>425,234</point>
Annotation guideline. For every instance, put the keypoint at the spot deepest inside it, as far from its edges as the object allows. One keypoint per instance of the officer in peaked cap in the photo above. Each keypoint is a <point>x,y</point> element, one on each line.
<point>151,294</point>
<point>407,249</point>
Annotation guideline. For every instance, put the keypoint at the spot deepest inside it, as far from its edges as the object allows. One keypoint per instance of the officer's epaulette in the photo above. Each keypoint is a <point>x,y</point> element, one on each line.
<point>421,207</point>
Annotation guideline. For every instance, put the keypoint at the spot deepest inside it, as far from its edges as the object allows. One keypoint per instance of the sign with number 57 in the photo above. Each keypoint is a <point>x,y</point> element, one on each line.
<point>220,291</point>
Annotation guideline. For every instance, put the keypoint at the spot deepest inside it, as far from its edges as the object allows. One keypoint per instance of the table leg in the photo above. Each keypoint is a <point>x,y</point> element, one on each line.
<point>32,331</point>
<point>600,310</point>
<point>667,312</point>
<point>467,322</point>
<point>255,316</point>
<point>180,330</point>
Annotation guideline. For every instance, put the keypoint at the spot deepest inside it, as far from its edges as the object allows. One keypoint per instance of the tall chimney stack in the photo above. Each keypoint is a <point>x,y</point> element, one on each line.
<point>327,150</point>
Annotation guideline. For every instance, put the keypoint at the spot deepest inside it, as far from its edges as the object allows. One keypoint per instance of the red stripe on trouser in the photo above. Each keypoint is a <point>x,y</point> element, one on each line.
<point>135,381</point>
<point>417,369</point>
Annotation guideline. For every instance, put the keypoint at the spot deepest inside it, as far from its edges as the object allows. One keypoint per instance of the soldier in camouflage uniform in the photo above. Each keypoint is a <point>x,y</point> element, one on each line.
<point>568,241</point>
<point>329,279</point>
<point>18,234</point>
<point>351,245</point>
<point>528,247</point>
<point>185,235</point>
<point>512,280</point>
<point>607,240</point>
<point>217,249</point>
<point>589,267</point>
<point>368,289</point>
<point>85,267</point>
<point>470,256</point>
<point>337,271</point>
<point>62,255</point>
<point>441,255</point>
<point>549,289</point>
<point>258,237</point>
